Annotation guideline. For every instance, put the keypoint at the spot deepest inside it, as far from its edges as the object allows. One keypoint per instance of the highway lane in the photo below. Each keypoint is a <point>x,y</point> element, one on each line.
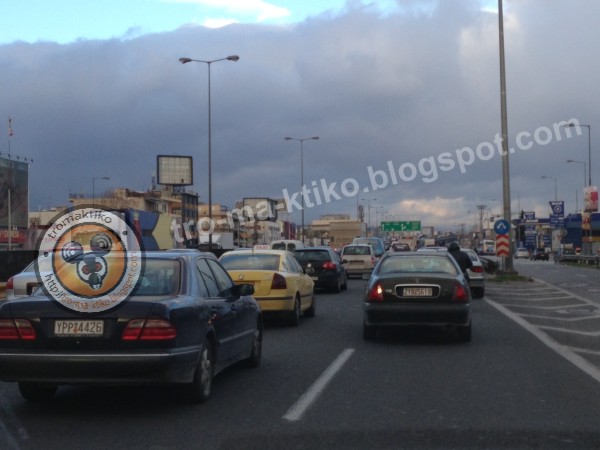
<point>505,389</point>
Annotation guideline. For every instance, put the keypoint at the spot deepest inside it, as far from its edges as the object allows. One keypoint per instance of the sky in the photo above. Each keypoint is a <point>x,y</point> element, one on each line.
<point>404,96</point>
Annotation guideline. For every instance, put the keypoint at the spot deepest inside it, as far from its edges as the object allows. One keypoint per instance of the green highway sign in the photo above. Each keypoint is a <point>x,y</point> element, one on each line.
<point>414,225</point>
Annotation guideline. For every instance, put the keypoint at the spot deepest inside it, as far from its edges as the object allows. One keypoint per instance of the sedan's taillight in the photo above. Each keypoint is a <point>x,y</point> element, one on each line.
<point>278,282</point>
<point>149,330</point>
<point>460,294</point>
<point>376,293</point>
<point>329,266</point>
<point>373,261</point>
<point>10,283</point>
<point>16,329</point>
<point>477,269</point>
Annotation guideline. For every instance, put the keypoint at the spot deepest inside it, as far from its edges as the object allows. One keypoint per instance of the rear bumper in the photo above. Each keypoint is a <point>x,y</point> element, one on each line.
<point>275,304</point>
<point>409,314</point>
<point>160,367</point>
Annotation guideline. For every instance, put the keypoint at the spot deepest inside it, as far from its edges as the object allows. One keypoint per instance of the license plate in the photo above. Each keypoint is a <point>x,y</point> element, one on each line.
<point>79,328</point>
<point>417,292</point>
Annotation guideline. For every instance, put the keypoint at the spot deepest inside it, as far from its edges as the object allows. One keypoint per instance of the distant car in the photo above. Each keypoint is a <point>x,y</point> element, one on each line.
<point>417,289</point>
<point>184,323</point>
<point>324,267</point>
<point>376,242</point>
<point>540,253</point>
<point>399,247</point>
<point>522,252</point>
<point>476,274</point>
<point>280,285</point>
<point>359,259</point>
<point>25,282</point>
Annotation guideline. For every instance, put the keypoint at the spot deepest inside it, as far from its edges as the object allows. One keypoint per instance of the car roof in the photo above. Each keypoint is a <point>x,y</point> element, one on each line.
<point>251,251</point>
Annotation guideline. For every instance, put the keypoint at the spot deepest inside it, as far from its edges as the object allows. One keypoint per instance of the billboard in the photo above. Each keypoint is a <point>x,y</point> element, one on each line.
<point>174,170</point>
<point>590,196</point>
<point>14,195</point>
<point>260,208</point>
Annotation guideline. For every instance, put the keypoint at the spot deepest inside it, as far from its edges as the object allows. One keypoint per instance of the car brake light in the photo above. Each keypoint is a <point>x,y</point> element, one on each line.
<point>278,282</point>
<point>376,293</point>
<point>372,261</point>
<point>460,294</point>
<point>16,329</point>
<point>329,266</point>
<point>477,269</point>
<point>10,283</point>
<point>149,330</point>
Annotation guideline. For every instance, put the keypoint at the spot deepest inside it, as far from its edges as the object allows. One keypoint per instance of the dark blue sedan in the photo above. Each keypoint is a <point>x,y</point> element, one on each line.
<point>183,323</point>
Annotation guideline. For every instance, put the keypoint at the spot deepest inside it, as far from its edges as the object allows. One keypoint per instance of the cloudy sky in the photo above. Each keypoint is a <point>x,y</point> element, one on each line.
<point>403,95</point>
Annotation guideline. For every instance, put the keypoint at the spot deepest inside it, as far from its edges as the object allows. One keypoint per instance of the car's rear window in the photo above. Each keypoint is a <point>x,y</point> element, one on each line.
<point>250,261</point>
<point>312,255</point>
<point>356,250</point>
<point>160,277</point>
<point>421,264</point>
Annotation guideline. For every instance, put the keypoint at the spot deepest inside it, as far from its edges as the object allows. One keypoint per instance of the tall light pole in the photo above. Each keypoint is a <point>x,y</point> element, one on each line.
<point>94,188</point>
<point>508,261</point>
<point>555,186</point>
<point>589,127</point>
<point>301,140</point>
<point>584,169</point>
<point>369,207</point>
<point>208,64</point>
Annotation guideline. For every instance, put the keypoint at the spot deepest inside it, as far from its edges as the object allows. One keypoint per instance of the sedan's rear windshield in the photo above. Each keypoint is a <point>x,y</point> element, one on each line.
<point>357,250</point>
<point>250,261</point>
<point>312,255</point>
<point>421,264</point>
<point>160,277</point>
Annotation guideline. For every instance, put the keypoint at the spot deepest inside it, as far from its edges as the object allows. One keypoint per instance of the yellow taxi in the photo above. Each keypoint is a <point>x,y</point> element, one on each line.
<point>280,284</point>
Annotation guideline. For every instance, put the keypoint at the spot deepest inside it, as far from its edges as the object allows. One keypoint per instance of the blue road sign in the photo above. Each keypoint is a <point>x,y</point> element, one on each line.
<point>501,226</point>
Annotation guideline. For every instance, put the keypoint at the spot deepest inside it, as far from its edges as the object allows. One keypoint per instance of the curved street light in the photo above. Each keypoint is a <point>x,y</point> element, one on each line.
<point>301,140</point>
<point>589,127</point>
<point>208,64</point>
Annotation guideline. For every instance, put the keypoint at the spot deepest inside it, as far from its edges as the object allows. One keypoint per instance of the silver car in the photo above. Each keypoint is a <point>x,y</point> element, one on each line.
<point>476,274</point>
<point>26,281</point>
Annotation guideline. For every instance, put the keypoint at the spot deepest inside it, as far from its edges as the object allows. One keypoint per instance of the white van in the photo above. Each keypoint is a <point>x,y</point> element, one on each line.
<point>286,244</point>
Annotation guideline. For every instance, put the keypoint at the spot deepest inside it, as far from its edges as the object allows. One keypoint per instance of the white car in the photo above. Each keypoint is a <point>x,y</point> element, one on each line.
<point>476,274</point>
<point>25,282</point>
<point>522,252</point>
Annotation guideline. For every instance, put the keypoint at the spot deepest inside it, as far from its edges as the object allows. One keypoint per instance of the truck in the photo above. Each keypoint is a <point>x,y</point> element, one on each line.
<point>221,241</point>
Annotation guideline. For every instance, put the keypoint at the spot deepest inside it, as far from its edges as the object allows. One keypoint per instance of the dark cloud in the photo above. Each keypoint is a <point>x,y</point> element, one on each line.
<point>397,88</point>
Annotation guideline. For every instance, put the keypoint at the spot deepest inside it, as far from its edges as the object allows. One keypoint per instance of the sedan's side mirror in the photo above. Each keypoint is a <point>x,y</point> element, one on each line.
<point>245,289</point>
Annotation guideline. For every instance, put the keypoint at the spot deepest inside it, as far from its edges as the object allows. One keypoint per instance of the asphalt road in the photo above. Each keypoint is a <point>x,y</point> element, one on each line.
<point>321,386</point>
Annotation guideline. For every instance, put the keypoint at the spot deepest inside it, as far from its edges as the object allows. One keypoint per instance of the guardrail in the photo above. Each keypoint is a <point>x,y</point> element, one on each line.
<point>579,259</point>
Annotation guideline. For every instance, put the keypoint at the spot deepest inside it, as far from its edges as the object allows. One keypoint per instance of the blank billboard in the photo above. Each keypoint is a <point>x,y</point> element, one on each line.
<point>174,170</point>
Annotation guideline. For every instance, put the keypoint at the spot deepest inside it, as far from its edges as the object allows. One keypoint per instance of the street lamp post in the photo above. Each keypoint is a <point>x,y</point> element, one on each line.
<point>301,140</point>
<point>208,64</point>
<point>94,188</point>
<point>589,127</point>
<point>584,169</point>
<point>555,186</point>
<point>369,207</point>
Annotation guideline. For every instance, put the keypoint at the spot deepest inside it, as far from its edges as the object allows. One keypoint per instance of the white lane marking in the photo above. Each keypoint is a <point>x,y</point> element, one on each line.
<point>562,350</point>
<point>314,391</point>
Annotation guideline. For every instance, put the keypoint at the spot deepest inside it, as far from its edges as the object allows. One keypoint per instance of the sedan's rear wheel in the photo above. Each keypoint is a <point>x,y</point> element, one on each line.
<point>37,392</point>
<point>256,352</point>
<point>199,390</point>
<point>310,312</point>
<point>294,315</point>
